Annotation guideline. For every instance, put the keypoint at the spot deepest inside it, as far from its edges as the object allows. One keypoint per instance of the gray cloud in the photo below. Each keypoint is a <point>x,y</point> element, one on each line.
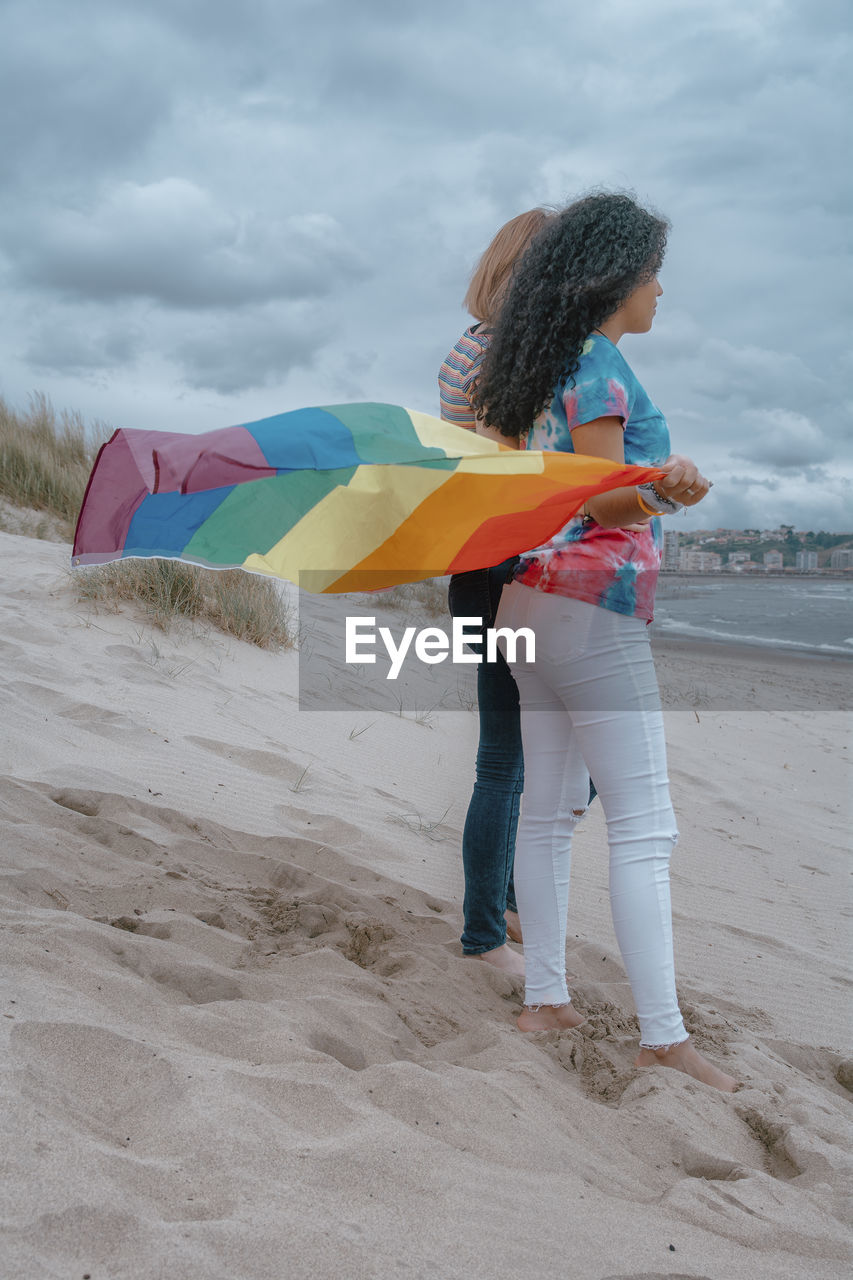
<point>170,241</point>
<point>744,501</point>
<point>59,344</point>
<point>211,209</point>
<point>231,354</point>
<point>81,87</point>
<point>751,374</point>
<point>223,350</point>
<point>781,440</point>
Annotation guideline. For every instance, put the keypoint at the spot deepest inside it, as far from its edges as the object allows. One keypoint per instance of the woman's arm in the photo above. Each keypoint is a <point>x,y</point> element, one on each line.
<point>620,508</point>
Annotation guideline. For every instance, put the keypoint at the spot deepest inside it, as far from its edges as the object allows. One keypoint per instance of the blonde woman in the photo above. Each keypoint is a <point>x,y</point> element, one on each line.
<point>488,841</point>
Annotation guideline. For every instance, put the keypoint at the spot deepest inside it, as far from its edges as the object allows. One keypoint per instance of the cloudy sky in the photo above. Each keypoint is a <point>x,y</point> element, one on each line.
<point>214,211</point>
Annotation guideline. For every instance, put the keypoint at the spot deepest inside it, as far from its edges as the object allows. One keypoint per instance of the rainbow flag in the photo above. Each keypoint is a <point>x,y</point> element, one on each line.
<point>340,498</point>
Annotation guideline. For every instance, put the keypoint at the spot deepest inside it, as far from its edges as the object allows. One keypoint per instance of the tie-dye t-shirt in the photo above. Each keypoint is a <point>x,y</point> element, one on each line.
<point>614,568</point>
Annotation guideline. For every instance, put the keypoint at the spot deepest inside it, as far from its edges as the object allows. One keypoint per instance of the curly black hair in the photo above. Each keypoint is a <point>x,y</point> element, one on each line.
<point>577,271</point>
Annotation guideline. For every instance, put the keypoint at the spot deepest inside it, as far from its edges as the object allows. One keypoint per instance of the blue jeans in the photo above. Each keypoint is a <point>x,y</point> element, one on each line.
<point>488,840</point>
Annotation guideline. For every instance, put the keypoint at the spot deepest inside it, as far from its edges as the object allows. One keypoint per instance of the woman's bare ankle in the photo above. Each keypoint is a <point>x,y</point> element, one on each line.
<point>506,959</point>
<point>684,1057</point>
<point>513,925</point>
<point>549,1017</point>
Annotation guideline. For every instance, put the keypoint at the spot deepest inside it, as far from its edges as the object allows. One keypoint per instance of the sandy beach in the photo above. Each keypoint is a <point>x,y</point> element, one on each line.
<point>240,1038</point>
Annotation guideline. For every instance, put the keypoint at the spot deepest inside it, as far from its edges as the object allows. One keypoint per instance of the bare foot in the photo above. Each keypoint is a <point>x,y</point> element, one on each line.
<point>685,1058</point>
<point>513,926</point>
<point>505,958</point>
<point>549,1017</point>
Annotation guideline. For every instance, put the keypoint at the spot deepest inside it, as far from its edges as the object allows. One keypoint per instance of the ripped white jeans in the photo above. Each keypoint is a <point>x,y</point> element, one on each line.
<point>590,705</point>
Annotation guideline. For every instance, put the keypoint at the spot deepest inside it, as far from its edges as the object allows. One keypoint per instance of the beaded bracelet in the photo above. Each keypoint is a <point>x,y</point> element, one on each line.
<point>659,505</point>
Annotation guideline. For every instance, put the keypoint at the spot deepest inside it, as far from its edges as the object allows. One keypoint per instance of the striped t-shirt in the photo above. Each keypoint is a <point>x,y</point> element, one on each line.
<point>458,374</point>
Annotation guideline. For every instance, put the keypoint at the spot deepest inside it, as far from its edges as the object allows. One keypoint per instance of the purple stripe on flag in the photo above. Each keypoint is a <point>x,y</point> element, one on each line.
<point>102,526</point>
<point>192,464</point>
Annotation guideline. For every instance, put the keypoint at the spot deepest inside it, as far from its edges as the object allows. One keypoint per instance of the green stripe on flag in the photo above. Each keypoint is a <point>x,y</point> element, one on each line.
<point>383,433</point>
<point>255,516</point>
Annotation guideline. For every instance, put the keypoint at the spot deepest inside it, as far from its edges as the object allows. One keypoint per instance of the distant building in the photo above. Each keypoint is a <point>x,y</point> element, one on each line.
<point>741,562</point>
<point>773,560</point>
<point>699,561</point>
<point>841,558</point>
<point>807,560</point>
<point>669,562</point>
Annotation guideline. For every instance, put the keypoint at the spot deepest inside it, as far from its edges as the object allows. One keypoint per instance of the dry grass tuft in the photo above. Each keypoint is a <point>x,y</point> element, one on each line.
<point>250,608</point>
<point>415,599</point>
<point>240,604</point>
<point>166,589</point>
<point>45,459</point>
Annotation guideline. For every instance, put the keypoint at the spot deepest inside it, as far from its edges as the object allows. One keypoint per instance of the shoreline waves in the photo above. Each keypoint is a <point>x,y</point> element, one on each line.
<point>804,614</point>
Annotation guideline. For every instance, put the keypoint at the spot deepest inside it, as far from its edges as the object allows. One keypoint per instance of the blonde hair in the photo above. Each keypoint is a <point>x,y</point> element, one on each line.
<point>491,274</point>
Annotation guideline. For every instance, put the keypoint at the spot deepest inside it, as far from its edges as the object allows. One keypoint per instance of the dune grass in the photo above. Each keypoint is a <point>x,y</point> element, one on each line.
<point>415,600</point>
<point>240,604</point>
<point>45,461</point>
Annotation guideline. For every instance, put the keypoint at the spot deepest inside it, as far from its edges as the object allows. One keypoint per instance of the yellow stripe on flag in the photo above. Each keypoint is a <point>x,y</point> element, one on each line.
<point>435,433</point>
<point>348,524</point>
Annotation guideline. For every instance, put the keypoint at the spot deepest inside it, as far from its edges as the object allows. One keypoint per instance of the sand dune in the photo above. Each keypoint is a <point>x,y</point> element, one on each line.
<point>241,1037</point>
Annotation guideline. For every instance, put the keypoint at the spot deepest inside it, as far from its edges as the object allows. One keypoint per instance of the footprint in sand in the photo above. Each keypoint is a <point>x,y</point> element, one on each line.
<point>332,915</point>
<point>367,945</point>
<point>604,1068</point>
<point>269,764</point>
<point>713,1168</point>
<point>86,715</point>
<point>95,1078</point>
<point>333,1047</point>
<point>799,1140</point>
<point>105,723</point>
<point>657,1275</point>
<point>832,1071</point>
<point>191,983</point>
<point>325,827</point>
<point>312,1110</point>
<point>86,802</point>
<point>132,924</point>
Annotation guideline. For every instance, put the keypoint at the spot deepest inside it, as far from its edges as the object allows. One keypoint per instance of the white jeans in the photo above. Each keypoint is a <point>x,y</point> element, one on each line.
<point>590,705</point>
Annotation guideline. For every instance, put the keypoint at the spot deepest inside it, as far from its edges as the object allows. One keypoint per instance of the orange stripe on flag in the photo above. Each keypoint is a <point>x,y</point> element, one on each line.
<point>475,520</point>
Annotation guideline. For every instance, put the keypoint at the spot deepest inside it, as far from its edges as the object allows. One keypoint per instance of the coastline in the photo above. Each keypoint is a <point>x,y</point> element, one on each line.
<point>755,676</point>
<point>755,575</point>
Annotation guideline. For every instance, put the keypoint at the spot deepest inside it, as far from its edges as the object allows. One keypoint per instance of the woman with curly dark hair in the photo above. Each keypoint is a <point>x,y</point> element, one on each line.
<point>589,699</point>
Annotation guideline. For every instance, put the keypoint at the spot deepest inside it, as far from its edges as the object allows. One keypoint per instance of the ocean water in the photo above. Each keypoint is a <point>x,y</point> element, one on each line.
<point>802,614</point>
